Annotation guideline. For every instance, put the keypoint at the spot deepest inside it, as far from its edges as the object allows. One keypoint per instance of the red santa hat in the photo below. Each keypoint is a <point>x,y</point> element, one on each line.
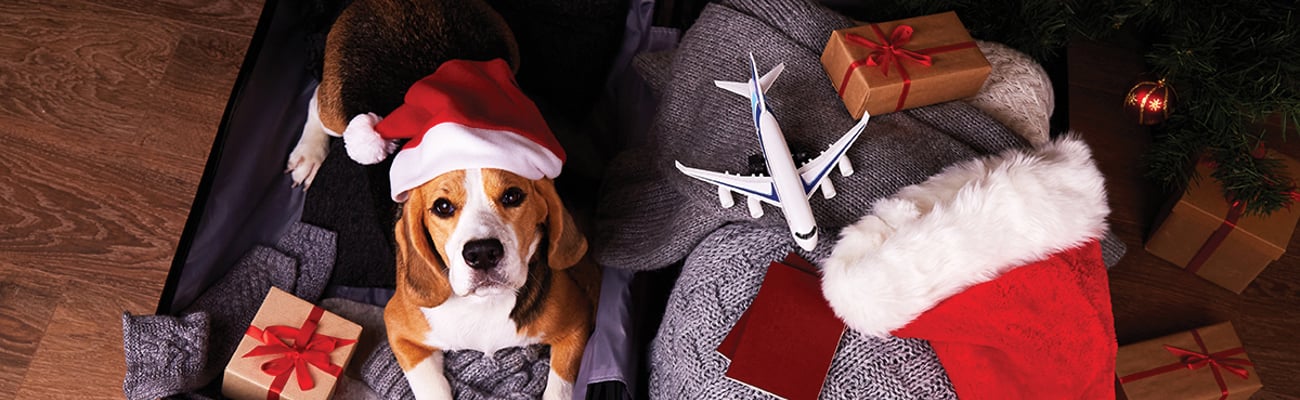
<point>467,114</point>
<point>996,263</point>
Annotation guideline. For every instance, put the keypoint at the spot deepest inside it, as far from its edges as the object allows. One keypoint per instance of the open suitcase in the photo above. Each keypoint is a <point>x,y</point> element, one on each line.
<point>244,199</point>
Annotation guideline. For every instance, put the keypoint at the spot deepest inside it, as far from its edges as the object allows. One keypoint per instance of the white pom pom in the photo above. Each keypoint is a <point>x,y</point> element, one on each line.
<point>364,144</point>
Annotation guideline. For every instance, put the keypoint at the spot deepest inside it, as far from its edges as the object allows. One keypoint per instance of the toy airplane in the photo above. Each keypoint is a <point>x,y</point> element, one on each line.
<point>786,186</point>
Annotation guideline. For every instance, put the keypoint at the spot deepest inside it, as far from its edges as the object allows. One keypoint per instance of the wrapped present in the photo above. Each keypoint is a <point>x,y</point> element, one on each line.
<point>293,350</point>
<point>891,66</point>
<point>1204,363</point>
<point>1211,237</point>
<point>784,342</point>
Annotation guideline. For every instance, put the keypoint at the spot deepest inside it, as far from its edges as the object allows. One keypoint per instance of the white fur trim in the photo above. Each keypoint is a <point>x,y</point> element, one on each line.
<point>967,225</point>
<point>364,144</point>
<point>450,146</point>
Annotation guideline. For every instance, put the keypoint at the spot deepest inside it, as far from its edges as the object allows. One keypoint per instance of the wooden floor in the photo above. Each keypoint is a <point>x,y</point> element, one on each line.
<point>1151,297</point>
<point>108,109</point>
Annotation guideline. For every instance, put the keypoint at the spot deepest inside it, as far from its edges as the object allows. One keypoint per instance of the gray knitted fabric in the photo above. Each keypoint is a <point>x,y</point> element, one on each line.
<point>234,300</point>
<point>381,372</point>
<point>651,215</point>
<point>719,281</point>
<point>169,357</point>
<point>300,264</point>
<point>313,247</point>
<point>513,373</point>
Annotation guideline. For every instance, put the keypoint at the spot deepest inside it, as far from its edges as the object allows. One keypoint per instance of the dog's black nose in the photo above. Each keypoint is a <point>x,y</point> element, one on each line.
<point>482,253</point>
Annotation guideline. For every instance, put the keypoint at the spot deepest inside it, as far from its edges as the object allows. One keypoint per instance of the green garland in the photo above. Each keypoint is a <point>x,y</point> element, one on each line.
<point>1232,65</point>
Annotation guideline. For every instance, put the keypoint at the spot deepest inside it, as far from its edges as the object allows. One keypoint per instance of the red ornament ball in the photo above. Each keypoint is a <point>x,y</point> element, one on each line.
<point>1150,102</point>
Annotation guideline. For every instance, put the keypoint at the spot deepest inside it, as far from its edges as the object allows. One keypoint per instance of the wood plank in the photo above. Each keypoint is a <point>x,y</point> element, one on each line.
<point>84,360</point>
<point>230,16</point>
<point>109,112</point>
<point>25,310</point>
<point>83,68</point>
<point>87,213</point>
<point>1150,296</point>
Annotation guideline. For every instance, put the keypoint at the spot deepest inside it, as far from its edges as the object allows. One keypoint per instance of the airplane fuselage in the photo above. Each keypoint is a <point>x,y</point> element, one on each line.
<point>785,178</point>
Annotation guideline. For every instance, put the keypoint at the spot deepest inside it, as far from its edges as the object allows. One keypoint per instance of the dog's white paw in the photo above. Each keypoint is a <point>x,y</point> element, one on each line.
<point>557,388</point>
<point>306,159</point>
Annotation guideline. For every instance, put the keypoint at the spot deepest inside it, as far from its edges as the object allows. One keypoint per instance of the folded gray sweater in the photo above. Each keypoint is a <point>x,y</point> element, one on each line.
<point>652,216</point>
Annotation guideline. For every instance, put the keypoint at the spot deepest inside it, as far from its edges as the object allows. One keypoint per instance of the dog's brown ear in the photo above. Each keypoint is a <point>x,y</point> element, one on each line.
<point>419,267</point>
<point>566,245</point>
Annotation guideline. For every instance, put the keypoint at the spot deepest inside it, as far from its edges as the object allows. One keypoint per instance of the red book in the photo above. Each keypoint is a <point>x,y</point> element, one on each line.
<point>783,344</point>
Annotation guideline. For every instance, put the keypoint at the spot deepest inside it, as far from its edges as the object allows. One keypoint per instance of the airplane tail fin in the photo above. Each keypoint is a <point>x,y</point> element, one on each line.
<point>744,89</point>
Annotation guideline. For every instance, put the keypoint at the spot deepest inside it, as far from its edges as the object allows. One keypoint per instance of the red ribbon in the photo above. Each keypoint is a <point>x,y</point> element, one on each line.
<point>308,348</point>
<point>1212,243</point>
<point>1193,360</point>
<point>890,51</point>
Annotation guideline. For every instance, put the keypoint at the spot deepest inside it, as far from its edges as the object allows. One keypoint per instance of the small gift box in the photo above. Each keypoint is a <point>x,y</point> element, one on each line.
<point>891,66</point>
<point>290,338</point>
<point>1211,237</point>
<point>784,342</point>
<point>1204,363</point>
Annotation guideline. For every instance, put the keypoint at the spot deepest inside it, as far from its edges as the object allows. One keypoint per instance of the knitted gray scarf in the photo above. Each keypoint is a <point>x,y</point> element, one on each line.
<point>651,215</point>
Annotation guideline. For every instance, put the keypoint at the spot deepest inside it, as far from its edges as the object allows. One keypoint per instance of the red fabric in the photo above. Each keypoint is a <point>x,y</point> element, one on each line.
<point>1040,331</point>
<point>477,94</point>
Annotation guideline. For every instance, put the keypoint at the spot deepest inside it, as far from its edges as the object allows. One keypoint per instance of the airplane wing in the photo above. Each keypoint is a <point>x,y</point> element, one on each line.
<point>756,187</point>
<point>815,171</point>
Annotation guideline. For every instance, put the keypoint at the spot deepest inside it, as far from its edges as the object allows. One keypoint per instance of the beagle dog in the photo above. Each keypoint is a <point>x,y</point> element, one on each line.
<point>483,263</point>
<point>486,258</point>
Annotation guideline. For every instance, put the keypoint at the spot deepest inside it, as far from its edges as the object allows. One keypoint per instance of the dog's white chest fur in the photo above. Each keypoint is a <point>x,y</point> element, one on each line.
<point>471,323</point>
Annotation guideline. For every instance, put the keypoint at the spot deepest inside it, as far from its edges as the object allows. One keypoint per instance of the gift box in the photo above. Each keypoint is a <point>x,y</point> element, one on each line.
<point>785,341</point>
<point>891,66</point>
<point>1204,363</point>
<point>292,350</point>
<point>1211,237</point>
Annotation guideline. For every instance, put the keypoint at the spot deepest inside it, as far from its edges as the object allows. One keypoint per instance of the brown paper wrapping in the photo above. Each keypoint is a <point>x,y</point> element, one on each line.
<point>1183,383</point>
<point>953,75</point>
<point>244,378</point>
<point>1255,242</point>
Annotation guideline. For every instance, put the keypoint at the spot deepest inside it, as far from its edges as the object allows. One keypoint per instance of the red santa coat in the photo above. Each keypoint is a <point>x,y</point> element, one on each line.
<point>996,263</point>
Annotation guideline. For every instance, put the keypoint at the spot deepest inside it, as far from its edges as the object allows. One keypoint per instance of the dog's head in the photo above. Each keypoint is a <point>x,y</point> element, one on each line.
<point>477,231</point>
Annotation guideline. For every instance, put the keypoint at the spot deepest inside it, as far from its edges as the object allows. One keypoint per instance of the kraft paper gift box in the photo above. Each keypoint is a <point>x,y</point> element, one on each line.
<point>891,66</point>
<point>1203,363</point>
<point>1211,237</point>
<point>293,350</point>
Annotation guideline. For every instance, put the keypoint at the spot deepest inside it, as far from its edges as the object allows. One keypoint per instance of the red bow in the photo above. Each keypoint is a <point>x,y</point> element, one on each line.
<point>891,51</point>
<point>308,348</point>
<point>1196,360</point>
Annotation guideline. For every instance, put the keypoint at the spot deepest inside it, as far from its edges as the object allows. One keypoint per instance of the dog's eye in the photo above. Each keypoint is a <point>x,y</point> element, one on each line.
<point>513,197</point>
<point>443,208</point>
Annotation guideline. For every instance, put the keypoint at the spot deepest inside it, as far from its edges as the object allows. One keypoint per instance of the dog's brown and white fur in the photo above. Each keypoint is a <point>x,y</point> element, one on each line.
<point>448,300</point>
<point>486,259</point>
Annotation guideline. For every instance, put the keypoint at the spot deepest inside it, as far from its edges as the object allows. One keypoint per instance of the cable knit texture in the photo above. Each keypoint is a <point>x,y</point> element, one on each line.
<point>300,263</point>
<point>651,216</point>
<point>719,281</point>
<point>171,352</point>
<point>1018,92</point>
<point>514,373</point>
